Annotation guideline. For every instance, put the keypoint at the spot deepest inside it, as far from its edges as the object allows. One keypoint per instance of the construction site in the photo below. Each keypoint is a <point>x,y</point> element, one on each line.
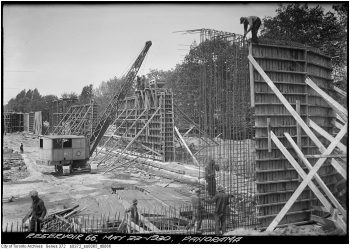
<point>263,113</point>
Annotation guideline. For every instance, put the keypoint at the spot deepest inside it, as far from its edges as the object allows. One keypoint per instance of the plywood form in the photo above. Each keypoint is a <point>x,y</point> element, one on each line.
<point>159,134</point>
<point>276,178</point>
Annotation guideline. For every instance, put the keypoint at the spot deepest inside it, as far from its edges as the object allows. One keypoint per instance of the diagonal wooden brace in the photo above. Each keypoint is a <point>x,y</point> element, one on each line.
<point>301,172</point>
<point>326,135</point>
<point>306,180</point>
<point>317,177</point>
<point>338,108</point>
<point>291,110</point>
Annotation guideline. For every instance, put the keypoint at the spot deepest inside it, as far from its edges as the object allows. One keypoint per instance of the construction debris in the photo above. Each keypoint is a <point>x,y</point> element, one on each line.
<point>13,166</point>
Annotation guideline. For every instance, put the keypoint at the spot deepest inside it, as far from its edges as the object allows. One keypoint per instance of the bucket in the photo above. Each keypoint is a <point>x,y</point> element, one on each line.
<point>66,170</point>
<point>93,167</point>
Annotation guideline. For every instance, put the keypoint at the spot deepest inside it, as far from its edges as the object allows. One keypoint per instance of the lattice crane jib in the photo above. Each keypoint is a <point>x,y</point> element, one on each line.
<point>108,115</point>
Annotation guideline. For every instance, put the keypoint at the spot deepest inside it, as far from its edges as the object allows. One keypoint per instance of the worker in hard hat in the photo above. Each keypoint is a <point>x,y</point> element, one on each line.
<point>198,211</point>
<point>134,215</point>
<point>254,23</point>
<point>37,212</point>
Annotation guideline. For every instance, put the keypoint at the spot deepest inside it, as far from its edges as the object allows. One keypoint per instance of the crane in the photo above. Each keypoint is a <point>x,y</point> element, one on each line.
<point>71,152</point>
<point>108,115</point>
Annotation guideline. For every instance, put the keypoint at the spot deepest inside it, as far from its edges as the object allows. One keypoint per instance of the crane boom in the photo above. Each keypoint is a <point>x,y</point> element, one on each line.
<point>108,115</point>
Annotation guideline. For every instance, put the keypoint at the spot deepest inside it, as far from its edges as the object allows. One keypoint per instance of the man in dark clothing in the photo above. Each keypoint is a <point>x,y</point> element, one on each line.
<point>210,176</point>
<point>221,210</point>
<point>21,148</point>
<point>37,212</point>
<point>134,215</point>
<point>254,23</point>
<point>198,211</point>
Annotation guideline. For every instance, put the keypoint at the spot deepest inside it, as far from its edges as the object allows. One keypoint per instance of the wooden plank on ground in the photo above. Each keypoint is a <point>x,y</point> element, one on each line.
<point>322,221</point>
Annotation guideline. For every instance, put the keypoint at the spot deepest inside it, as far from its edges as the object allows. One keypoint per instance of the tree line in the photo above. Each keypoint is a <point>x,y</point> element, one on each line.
<point>300,23</point>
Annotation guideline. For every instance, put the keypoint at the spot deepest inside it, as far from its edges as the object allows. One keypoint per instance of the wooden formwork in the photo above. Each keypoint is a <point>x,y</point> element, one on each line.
<point>287,67</point>
<point>58,108</point>
<point>136,110</point>
<point>13,122</point>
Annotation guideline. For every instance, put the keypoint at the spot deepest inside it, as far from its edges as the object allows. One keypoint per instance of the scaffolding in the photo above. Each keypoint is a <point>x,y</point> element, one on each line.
<point>13,122</point>
<point>78,120</point>
<point>57,110</point>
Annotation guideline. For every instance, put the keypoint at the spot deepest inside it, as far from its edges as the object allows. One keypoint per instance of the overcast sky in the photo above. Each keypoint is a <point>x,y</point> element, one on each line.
<point>61,48</point>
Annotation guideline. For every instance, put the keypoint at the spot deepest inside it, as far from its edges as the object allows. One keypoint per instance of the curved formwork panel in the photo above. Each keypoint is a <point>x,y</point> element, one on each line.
<point>287,67</point>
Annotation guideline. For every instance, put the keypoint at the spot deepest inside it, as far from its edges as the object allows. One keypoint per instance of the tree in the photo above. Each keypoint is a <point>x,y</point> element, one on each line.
<point>71,95</point>
<point>105,91</point>
<point>86,94</point>
<point>310,26</point>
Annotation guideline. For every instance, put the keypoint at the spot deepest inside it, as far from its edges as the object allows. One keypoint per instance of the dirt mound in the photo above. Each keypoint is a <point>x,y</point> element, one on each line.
<point>13,166</point>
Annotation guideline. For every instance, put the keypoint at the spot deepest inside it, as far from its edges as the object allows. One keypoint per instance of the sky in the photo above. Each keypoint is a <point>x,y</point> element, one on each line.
<point>60,48</point>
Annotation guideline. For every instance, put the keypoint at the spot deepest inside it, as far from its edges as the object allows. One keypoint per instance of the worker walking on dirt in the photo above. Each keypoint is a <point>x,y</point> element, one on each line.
<point>134,215</point>
<point>21,148</point>
<point>210,176</point>
<point>198,211</point>
<point>254,23</point>
<point>37,212</point>
<point>221,214</point>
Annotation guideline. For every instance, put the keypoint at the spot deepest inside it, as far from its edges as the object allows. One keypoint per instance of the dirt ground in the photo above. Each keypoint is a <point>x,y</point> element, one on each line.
<point>58,192</point>
<point>91,191</point>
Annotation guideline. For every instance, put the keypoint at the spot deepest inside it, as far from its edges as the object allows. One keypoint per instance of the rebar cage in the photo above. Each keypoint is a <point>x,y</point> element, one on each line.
<point>220,104</point>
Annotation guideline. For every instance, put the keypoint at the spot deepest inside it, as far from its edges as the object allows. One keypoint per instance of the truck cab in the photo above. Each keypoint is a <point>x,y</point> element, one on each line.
<point>66,152</point>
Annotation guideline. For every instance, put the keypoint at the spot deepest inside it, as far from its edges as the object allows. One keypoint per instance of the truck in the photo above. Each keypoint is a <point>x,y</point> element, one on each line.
<point>67,153</point>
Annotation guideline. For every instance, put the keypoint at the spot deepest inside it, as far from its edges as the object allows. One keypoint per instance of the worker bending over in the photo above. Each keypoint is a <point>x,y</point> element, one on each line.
<point>254,23</point>
<point>37,212</point>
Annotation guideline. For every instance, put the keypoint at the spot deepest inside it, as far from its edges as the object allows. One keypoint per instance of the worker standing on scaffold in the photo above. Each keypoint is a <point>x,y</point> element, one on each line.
<point>254,23</point>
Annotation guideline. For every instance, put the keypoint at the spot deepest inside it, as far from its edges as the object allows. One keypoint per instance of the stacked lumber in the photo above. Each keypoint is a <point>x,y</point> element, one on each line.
<point>63,221</point>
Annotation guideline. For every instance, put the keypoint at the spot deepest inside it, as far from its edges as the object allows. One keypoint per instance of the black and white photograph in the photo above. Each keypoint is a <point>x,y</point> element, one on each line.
<point>174,122</point>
